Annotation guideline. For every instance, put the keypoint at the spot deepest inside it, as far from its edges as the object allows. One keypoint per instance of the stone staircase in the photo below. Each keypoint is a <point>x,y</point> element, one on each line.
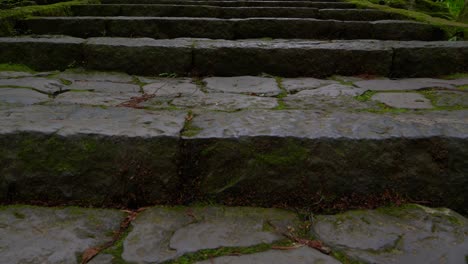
<point>269,138</point>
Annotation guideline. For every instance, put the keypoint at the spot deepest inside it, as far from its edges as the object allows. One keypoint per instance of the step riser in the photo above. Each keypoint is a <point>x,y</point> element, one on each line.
<point>103,171</point>
<point>224,58</point>
<point>240,4</point>
<point>228,12</point>
<point>233,29</point>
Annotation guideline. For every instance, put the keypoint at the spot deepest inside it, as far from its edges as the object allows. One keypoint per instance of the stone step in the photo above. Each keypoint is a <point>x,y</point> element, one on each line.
<point>78,154</point>
<point>242,57</point>
<point>214,28</point>
<point>320,4</point>
<point>234,235</point>
<point>230,12</point>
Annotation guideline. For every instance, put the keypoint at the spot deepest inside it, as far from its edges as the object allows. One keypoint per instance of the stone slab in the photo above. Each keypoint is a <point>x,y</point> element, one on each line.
<point>161,234</point>
<point>405,84</point>
<point>168,10</point>
<point>139,55</point>
<point>301,255</point>
<point>291,58</point>
<point>81,75</point>
<point>225,102</point>
<point>287,58</point>
<point>403,100</point>
<point>331,90</point>
<point>241,3</point>
<point>266,156</point>
<point>449,98</point>
<point>411,234</point>
<point>43,53</point>
<point>45,85</point>
<point>316,124</point>
<point>171,87</point>
<point>216,28</point>
<point>294,85</point>
<point>243,85</point>
<point>89,155</point>
<point>21,96</point>
<point>53,235</point>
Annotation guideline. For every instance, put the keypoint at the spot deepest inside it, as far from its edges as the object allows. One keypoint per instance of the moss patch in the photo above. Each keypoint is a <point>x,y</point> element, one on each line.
<point>9,18</point>
<point>225,251</point>
<point>453,30</point>
<point>15,67</point>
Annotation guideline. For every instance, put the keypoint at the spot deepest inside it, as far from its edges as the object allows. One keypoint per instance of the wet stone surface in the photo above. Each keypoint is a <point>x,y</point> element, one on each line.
<point>53,235</point>
<point>160,234</point>
<point>244,85</point>
<point>303,255</point>
<point>406,235</point>
<point>403,100</point>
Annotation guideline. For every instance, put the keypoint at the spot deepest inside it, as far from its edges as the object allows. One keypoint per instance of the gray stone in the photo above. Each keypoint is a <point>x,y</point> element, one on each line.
<point>15,74</point>
<point>450,98</point>
<point>104,87</point>
<point>94,98</point>
<point>326,103</point>
<point>299,84</point>
<point>160,234</point>
<point>74,120</point>
<point>53,235</point>
<point>316,124</point>
<point>303,255</point>
<point>102,93</point>
<point>404,84</point>
<point>332,90</point>
<point>42,84</point>
<point>102,259</point>
<point>225,102</point>
<point>244,85</point>
<point>403,100</point>
<point>172,87</point>
<point>406,235</point>
<point>90,76</point>
<point>22,96</point>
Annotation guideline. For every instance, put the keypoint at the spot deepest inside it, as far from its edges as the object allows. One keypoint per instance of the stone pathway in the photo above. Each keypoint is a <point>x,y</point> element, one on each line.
<point>111,138</point>
<point>406,235</point>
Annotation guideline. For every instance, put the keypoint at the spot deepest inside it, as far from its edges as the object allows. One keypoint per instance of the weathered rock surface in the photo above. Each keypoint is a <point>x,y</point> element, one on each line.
<point>22,96</point>
<point>243,85</point>
<point>53,235</point>
<point>302,255</point>
<point>411,234</point>
<point>160,234</point>
<point>407,84</point>
<point>403,100</point>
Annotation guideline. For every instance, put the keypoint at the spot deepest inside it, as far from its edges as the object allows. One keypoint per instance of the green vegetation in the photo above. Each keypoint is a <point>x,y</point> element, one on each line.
<point>366,96</point>
<point>15,67</point>
<point>454,30</point>
<point>9,17</point>
<point>225,251</point>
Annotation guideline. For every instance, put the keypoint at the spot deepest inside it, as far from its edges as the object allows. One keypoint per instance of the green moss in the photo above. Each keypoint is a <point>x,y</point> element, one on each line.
<point>458,75</point>
<point>9,18</point>
<point>463,87</point>
<point>19,215</point>
<point>451,28</point>
<point>433,97</point>
<point>398,211</point>
<point>366,96</point>
<point>117,249</point>
<point>189,129</point>
<point>15,67</point>
<point>288,155</point>
<point>343,258</point>
<point>225,251</point>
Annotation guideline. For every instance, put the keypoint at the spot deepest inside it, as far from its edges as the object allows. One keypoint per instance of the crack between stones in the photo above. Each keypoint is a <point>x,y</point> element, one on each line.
<point>119,235</point>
